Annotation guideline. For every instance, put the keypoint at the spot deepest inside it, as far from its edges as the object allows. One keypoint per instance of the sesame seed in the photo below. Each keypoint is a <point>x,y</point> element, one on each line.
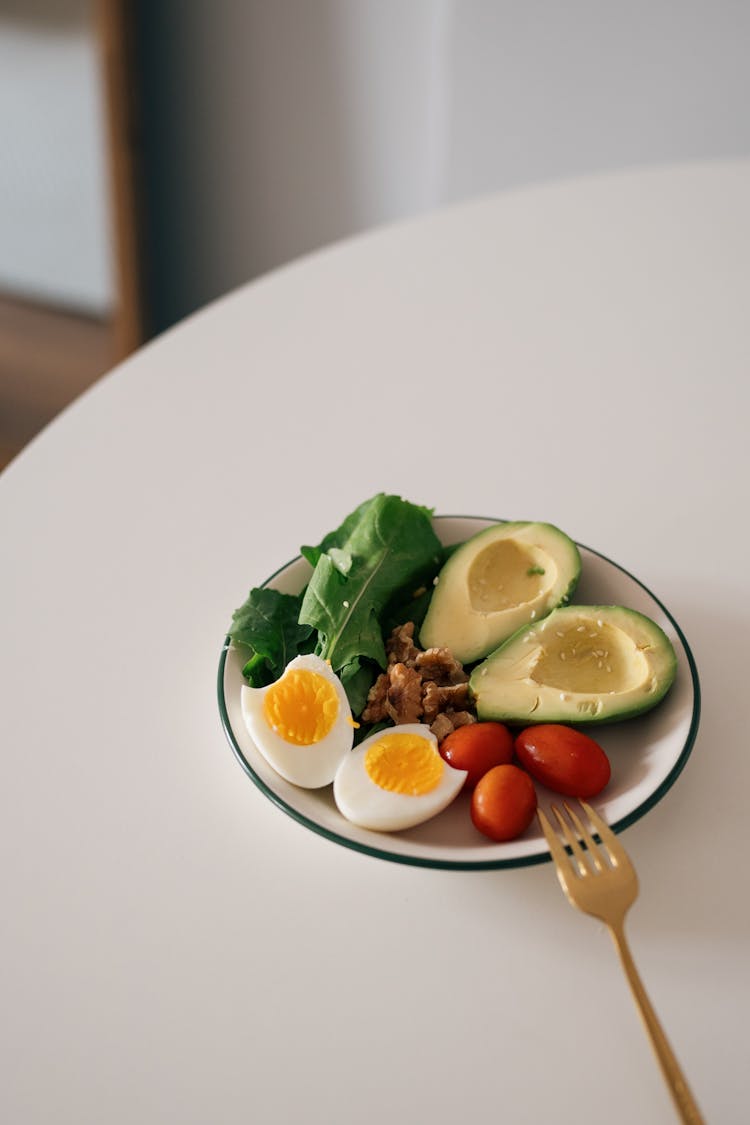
<point>562,655</point>
<point>581,629</point>
<point>609,667</point>
<point>533,614</point>
<point>346,605</point>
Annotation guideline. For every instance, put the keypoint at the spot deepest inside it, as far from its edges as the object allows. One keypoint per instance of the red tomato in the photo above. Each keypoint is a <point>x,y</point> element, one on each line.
<point>503,803</point>
<point>563,759</point>
<point>477,747</point>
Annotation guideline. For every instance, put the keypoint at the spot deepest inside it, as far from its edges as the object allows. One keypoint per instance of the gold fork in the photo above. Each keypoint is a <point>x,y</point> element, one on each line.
<point>603,882</point>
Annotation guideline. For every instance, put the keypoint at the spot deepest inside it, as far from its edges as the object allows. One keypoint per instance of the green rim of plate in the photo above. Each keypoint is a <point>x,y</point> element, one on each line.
<point>469,865</point>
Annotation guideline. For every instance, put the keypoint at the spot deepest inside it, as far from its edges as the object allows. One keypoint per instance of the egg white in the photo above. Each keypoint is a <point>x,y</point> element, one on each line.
<point>313,766</point>
<point>365,804</point>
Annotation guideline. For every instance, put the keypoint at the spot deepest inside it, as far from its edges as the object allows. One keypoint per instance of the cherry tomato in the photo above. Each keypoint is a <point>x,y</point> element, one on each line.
<point>503,803</point>
<point>477,747</point>
<point>563,759</point>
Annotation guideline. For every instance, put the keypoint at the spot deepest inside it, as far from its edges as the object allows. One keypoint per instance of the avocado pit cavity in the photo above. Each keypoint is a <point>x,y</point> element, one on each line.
<point>509,573</point>
<point>586,659</point>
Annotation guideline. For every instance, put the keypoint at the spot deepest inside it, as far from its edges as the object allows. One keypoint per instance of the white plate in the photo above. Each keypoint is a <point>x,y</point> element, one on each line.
<point>646,753</point>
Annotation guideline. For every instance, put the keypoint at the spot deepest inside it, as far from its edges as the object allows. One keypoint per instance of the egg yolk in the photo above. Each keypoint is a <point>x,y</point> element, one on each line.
<point>404,763</point>
<point>301,707</point>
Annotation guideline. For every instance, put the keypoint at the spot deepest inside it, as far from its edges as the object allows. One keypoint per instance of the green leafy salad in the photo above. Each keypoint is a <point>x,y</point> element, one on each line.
<point>373,572</point>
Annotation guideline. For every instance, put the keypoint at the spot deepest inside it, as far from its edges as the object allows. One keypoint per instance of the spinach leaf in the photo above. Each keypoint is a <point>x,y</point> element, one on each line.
<point>384,550</point>
<point>413,607</point>
<point>267,623</point>
<point>357,678</point>
<point>412,604</point>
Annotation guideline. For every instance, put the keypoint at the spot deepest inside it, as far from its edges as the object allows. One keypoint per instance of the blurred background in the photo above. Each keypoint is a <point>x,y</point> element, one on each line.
<point>154,155</point>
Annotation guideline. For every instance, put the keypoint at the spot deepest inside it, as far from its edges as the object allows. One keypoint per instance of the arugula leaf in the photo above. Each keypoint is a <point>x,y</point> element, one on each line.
<point>332,542</point>
<point>383,550</point>
<point>268,624</point>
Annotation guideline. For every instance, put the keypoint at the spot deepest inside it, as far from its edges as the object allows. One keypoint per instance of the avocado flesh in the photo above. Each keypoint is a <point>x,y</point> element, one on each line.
<point>495,582</point>
<point>509,573</point>
<point>580,664</point>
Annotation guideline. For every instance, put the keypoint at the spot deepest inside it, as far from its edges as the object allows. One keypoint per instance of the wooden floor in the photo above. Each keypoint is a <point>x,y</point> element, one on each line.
<point>47,358</point>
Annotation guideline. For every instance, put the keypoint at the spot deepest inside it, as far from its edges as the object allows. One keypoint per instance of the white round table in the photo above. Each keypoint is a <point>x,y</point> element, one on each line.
<point>175,948</point>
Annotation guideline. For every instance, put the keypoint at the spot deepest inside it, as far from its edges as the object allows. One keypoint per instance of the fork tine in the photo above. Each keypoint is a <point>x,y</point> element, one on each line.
<point>559,855</point>
<point>606,835</point>
<point>585,835</point>
<point>570,836</point>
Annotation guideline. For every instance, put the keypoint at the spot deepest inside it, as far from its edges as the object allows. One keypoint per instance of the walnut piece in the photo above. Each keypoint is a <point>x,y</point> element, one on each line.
<point>400,646</point>
<point>440,665</point>
<point>420,685</point>
<point>404,702</point>
<point>435,699</point>
<point>448,721</point>
<point>377,697</point>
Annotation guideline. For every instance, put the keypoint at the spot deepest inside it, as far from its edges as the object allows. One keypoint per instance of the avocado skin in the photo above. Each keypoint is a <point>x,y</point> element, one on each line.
<point>501,698</point>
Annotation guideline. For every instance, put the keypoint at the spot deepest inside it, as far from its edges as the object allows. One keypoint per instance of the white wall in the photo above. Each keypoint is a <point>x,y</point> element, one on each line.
<point>282,125</point>
<point>290,123</point>
<point>276,126</point>
<point>54,221</point>
<point>542,90</point>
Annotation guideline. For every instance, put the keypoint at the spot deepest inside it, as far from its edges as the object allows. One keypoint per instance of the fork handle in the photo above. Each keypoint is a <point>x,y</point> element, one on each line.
<point>675,1079</point>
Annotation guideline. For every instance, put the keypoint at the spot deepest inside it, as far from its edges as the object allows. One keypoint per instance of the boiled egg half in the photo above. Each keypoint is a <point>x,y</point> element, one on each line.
<point>301,724</point>
<point>395,779</point>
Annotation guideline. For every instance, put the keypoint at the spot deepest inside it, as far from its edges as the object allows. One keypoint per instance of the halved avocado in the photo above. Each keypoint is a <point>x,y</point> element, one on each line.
<point>581,664</point>
<point>497,581</point>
